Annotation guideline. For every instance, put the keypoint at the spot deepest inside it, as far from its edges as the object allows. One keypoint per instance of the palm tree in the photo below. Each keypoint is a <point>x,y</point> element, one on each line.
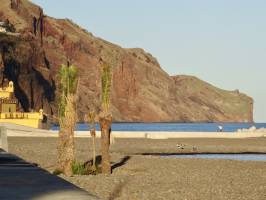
<point>105,118</point>
<point>68,76</point>
<point>91,120</point>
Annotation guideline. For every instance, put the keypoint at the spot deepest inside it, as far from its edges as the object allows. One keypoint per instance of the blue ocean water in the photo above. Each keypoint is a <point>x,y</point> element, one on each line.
<point>173,127</point>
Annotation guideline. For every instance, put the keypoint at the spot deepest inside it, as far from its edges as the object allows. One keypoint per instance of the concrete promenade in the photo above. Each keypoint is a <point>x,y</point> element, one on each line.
<point>20,180</point>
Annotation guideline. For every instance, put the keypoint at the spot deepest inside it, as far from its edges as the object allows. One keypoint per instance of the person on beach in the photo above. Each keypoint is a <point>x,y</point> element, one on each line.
<point>220,128</point>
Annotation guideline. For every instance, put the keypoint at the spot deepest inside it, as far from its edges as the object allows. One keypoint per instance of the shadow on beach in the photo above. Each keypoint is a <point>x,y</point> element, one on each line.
<point>115,165</point>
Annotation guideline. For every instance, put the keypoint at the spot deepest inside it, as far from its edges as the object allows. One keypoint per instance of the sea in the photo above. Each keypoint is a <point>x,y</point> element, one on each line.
<point>173,127</point>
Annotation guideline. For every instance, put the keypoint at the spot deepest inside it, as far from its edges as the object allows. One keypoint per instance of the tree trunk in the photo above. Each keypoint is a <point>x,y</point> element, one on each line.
<point>105,123</point>
<point>93,135</point>
<point>66,138</point>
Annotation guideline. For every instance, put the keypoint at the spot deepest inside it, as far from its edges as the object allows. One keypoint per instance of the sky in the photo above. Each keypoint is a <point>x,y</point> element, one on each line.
<point>222,42</point>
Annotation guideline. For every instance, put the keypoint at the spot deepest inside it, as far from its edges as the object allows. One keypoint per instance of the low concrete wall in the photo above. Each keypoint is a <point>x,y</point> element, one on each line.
<point>3,139</point>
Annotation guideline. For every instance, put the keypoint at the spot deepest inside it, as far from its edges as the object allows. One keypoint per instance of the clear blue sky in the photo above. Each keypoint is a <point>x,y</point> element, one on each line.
<point>220,41</point>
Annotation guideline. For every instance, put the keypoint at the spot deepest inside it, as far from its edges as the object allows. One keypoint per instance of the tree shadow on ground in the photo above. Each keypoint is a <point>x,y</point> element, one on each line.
<point>98,161</point>
<point>122,162</point>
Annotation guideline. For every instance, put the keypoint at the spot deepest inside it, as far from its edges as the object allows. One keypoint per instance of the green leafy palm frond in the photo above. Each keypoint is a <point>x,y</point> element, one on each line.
<point>68,76</point>
<point>73,79</point>
<point>106,78</point>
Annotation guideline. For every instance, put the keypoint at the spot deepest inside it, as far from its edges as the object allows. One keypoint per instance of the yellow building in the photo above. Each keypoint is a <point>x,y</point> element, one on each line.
<point>10,114</point>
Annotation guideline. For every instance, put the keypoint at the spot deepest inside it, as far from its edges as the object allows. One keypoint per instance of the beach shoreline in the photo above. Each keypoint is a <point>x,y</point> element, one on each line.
<point>140,134</point>
<point>23,131</point>
<point>18,131</point>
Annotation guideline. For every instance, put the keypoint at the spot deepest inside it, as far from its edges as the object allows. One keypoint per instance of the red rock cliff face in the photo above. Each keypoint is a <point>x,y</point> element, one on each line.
<point>142,91</point>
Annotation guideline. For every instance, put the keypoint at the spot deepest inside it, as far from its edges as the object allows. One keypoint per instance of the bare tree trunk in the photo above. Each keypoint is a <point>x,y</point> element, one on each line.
<point>93,135</point>
<point>105,123</point>
<point>66,138</point>
<point>61,148</point>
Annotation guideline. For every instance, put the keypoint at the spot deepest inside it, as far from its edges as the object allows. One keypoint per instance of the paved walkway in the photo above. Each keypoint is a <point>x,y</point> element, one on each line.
<point>20,180</point>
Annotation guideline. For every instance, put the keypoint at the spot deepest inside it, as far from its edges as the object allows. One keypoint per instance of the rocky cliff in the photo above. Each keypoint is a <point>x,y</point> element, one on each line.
<point>141,91</point>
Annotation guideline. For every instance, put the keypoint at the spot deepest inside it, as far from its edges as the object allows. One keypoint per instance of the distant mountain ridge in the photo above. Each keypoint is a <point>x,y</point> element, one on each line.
<point>141,91</point>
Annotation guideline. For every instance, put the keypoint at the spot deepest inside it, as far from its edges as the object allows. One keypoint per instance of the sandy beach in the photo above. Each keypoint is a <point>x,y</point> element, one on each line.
<point>139,174</point>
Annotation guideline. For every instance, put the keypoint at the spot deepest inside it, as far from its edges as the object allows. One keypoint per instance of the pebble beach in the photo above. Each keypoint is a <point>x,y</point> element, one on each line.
<point>139,172</point>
